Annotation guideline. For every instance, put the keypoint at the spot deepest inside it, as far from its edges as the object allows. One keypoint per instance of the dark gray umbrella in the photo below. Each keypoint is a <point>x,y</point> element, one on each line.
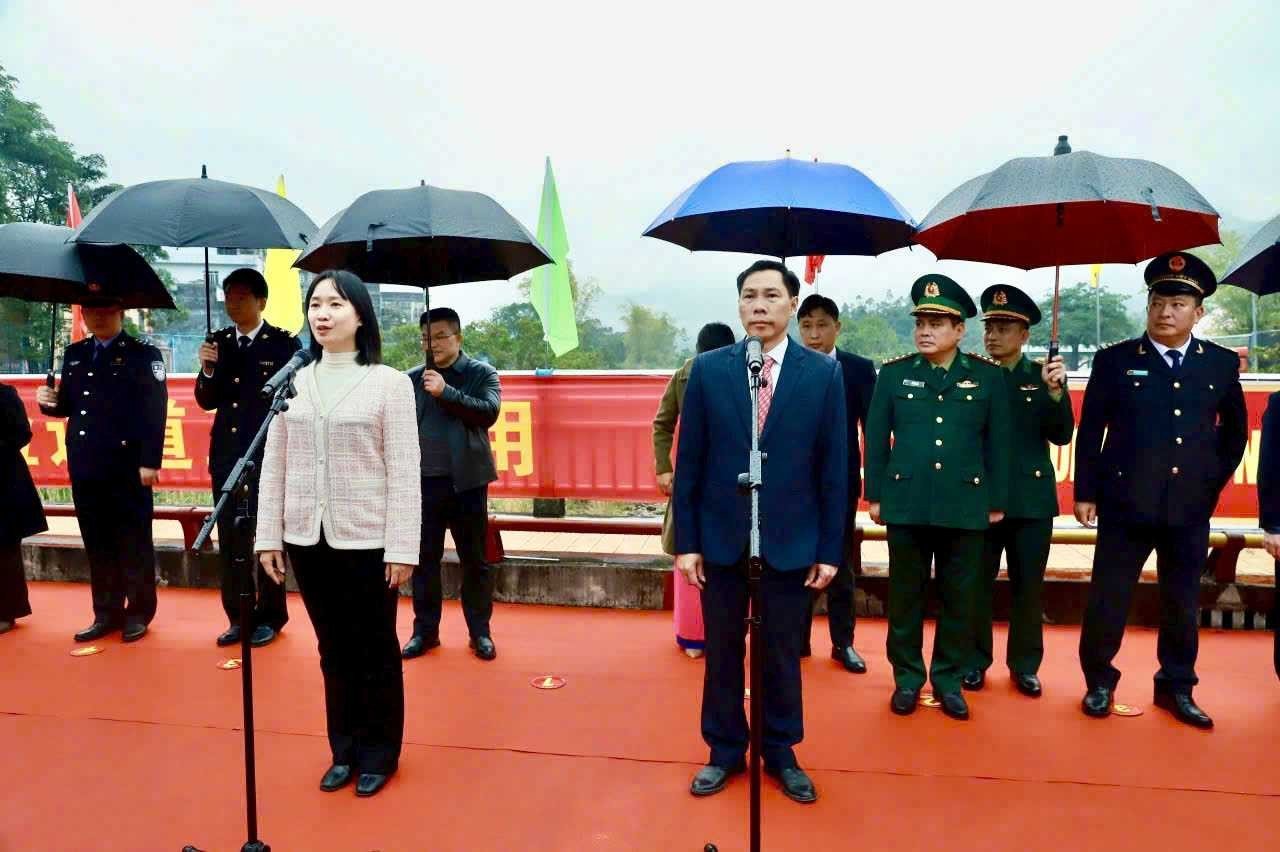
<point>1258,266</point>
<point>197,212</point>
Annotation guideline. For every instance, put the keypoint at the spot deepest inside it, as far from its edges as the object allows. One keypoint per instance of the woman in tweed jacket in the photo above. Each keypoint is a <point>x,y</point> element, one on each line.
<point>347,514</point>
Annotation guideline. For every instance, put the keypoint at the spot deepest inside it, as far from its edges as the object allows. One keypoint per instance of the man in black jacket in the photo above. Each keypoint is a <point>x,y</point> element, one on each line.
<point>1172,412</point>
<point>1269,501</point>
<point>234,365</point>
<point>458,400</point>
<point>819,319</point>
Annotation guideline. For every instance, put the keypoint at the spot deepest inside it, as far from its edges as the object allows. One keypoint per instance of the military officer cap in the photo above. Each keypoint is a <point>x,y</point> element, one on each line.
<point>1177,272</point>
<point>940,296</point>
<point>1002,302</point>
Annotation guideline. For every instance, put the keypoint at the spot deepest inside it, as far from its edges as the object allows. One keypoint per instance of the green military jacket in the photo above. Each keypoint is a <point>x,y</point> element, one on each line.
<point>937,445</point>
<point>1037,420</point>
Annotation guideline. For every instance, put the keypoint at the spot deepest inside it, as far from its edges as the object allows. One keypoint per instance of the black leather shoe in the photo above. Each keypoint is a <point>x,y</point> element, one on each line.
<point>796,785</point>
<point>850,659</point>
<point>94,631</point>
<point>954,705</point>
<point>1183,709</point>
<point>263,634</point>
<point>338,776</point>
<point>133,632</point>
<point>904,701</point>
<point>419,645</point>
<point>230,636</point>
<point>484,647</point>
<point>711,779</point>
<point>1027,684</point>
<point>370,783</point>
<point>974,680</point>
<point>806,651</point>
<point>1097,702</point>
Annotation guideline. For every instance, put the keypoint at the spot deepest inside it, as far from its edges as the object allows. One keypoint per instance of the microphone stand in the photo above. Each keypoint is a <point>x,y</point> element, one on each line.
<point>238,485</point>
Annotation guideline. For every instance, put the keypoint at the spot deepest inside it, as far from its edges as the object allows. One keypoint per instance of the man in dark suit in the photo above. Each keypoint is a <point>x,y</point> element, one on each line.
<point>803,502</point>
<point>234,366</point>
<point>458,400</point>
<point>1269,501</point>
<point>819,327</point>
<point>1173,415</point>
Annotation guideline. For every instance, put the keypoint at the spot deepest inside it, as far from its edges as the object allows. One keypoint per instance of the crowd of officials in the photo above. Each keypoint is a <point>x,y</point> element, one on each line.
<point>368,468</point>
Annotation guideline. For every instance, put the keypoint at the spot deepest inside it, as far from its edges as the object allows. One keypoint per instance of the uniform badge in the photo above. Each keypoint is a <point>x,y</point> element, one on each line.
<point>1000,298</point>
<point>157,370</point>
<point>1136,373</point>
<point>931,289</point>
<point>912,383</point>
<point>1028,387</point>
<point>967,383</point>
<point>95,287</point>
<point>1177,263</point>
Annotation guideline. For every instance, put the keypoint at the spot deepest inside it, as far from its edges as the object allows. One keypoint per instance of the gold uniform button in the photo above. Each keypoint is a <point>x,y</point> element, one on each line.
<point>1028,399</point>
<point>235,405</point>
<point>1210,387</point>
<point>89,374</point>
<point>968,396</point>
<point>1178,440</point>
<point>939,397</point>
<point>937,465</point>
<point>233,429</point>
<point>124,443</point>
<point>1177,412</point>
<point>81,431</point>
<point>1177,385</point>
<point>897,476</point>
<point>82,411</point>
<point>938,442</point>
<point>977,480</point>
<point>1174,471</point>
<point>939,419</point>
<point>236,380</point>
<point>911,396</point>
<point>1037,474</point>
<point>1137,384</point>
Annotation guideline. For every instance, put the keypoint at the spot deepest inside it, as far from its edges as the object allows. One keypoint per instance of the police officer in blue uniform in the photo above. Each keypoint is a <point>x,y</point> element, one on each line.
<point>1172,412</point>
<point>114,397</point>
<point>233,368</point>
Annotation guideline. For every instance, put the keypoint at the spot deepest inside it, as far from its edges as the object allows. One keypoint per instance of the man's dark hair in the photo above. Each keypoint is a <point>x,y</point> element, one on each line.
<point>448,315</point>
<point>351,288</point>
<point>247,277</point>
<point>818,302</point>
<point>714,335</point>
<point>788,277</point>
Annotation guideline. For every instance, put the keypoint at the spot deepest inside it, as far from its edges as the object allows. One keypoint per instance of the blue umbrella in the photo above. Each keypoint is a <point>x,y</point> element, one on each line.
<point>1258,267</point>
<point>785,208</point>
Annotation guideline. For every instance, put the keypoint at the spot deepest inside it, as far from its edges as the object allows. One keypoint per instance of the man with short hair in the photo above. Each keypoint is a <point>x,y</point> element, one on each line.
<point>1172,412</point>
<point>114,397</point>
<point>819,328</point>
<point>234,365</point>
<point>458,400</point>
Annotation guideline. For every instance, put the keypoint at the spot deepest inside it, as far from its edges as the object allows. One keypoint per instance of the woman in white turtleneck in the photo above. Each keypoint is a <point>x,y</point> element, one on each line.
<point>340,495</point>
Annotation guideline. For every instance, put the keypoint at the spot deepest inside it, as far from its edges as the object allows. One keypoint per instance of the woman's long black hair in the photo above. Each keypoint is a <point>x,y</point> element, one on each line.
<point>351,288</point>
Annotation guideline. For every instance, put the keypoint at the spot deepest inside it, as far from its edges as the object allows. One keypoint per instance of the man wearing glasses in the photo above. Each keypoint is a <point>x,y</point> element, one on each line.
<point>458,400</point>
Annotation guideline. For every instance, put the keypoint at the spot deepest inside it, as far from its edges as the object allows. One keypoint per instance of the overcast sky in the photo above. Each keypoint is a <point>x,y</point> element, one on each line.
<point>634,102</point>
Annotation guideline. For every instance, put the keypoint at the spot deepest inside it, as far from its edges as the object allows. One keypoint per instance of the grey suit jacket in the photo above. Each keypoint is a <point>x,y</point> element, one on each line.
<point>470,409</point>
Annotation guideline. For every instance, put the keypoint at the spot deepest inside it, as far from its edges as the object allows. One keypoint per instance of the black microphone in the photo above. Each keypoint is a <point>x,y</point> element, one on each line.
<point>755,355</point>
<point>300,359</point>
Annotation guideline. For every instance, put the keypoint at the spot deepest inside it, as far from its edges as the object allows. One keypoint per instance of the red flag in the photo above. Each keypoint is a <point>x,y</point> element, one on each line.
<point>812,266</point>
<point>73,221</point>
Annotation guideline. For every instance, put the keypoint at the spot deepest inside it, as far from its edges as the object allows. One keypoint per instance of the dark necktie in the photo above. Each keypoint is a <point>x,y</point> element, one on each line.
<point>244,342</point>
<point>98,349</point>
<point>1176,357</point>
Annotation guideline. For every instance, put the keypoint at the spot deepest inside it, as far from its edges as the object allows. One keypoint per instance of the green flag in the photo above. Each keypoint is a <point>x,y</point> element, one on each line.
<point>551,294</point>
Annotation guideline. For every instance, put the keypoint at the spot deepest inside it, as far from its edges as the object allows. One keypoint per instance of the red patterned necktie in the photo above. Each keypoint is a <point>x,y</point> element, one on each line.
<point>766,391</point>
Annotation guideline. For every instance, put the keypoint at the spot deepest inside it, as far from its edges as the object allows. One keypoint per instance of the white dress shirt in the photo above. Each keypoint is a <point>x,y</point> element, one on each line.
<point>1165,350</point>
<point>776,353</point>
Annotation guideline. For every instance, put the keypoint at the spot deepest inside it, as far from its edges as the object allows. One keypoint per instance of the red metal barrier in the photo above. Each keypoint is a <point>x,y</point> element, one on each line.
<point>584,435</point>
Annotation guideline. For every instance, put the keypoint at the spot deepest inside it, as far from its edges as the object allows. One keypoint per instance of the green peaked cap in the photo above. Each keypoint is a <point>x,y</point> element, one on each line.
<point>938,294</point>
<point>1000,301</point>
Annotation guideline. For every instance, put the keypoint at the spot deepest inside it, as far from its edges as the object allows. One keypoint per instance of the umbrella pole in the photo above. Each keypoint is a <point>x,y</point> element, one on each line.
<point>427,357</point>
<point>1053,336</point>
<point>208,301</point>
<point>53,336</point>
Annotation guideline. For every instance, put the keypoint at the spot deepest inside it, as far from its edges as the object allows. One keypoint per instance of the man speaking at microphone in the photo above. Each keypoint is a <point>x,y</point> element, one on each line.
<point>803,501</point>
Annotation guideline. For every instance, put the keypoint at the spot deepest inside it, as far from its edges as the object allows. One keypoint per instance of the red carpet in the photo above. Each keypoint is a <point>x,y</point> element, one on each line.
<point>138,748</point>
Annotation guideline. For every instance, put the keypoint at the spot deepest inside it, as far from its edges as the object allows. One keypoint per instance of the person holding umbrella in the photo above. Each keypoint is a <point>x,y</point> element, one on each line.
<point>21,514</point>
<point>114,397</point>
<point>1173,415</point>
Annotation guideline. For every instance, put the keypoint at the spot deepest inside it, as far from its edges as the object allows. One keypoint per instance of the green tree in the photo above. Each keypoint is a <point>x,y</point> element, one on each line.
<point>652,339</point>
<point>1230,310</point>
<point>402,346</point>
<point>1078,320</point>
<point>870,336</point>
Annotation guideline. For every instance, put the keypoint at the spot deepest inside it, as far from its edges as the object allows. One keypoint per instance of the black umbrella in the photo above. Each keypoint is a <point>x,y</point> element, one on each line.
<point>39,264</point>
<point>197,212</point>
<point>1258,266</point>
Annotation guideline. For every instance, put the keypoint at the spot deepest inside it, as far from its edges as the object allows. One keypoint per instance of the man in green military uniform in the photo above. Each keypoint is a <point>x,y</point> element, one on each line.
<point>1039,413</point>
<point>937,476</point>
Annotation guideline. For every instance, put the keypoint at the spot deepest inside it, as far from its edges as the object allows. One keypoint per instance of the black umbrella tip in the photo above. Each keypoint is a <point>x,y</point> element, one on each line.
<point>1063,146</point>
<point>204,171</point>
<point>422,181</point>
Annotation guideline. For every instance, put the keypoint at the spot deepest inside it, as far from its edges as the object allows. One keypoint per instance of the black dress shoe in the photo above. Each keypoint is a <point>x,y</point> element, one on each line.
<point>94,631</point>
<point>370,783</point>
<point>419,645</point>
<point>1027,684</point>
<point>1183,709</point>
<point>263,634</point>
<point>796,785</point>
<point>806,651</point>
<point>230,636</point>
<point>904,701</point>
<point>974,680</point>
<point>954,705</point>
<point>1097,702</point>
<point>133,632</point>
<point>711,779</point>
<point>850,659</point>
<point>484,647</point>
<point>338,776</point>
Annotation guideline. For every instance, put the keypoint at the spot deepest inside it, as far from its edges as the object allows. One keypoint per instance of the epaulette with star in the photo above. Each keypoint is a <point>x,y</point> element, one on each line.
<point>886,362</point>
<point>986,359</point>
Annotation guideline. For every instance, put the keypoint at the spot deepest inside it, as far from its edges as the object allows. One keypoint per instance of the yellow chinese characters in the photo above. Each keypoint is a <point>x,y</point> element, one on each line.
<point>175,442</point>
<point>513,434</point>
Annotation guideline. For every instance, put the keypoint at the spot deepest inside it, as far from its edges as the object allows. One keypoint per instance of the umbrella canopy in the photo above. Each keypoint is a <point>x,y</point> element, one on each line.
<point>1258,267</point>
<point>785,208</point>
<point>424,235</point>
<point>38,264</point>
<point>1066,209</point>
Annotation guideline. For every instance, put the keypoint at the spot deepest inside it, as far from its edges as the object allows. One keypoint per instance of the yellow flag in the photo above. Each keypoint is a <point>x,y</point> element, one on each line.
<point>284,288</point>
<point>1095,274</point>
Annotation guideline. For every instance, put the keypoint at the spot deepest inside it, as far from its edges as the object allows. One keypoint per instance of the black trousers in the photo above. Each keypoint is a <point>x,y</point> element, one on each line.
<point>785,601</point>
<point>270,607</point>
<point>465,514</point>
<point>1025,543</point>
<point>115,523</point>
<point>354,616</point>
<point>841,616</point>
<point>13,582</point>
<point>1117,564</point>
